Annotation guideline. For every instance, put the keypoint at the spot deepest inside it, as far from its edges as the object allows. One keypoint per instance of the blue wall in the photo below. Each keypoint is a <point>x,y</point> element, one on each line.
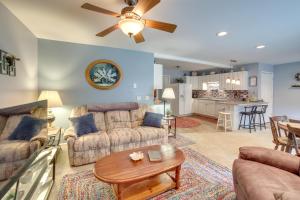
<point>286,99</point>
<point>62,67</point>
<point>17,39</point>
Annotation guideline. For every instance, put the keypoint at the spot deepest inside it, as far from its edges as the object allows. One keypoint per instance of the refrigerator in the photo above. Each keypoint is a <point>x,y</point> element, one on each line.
<point>182,104</point>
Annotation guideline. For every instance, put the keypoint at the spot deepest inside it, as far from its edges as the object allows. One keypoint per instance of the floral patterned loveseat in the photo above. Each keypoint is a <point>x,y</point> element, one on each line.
<point>120,129</point>
<point>14,153</point>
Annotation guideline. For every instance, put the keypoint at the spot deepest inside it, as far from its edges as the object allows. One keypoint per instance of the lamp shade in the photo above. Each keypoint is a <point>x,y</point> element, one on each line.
<point>168,93</point>
<point>53,98</point>
<point>131,26</point>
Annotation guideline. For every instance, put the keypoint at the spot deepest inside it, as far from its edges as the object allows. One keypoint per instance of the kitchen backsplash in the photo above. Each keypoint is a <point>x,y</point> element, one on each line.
<point>237,95</point>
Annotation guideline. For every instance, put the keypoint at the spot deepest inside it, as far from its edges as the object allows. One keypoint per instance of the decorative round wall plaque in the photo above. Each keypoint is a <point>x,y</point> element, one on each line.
<point>103,74</point>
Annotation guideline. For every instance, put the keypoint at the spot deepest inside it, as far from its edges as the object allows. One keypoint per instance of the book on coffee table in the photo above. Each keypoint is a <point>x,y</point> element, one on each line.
<point>154,155</point>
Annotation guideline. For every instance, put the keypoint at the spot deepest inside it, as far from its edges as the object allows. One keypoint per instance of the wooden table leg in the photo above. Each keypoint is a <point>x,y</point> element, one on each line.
<point>288,148</point>
<point>119,191</point>
<point>177,177</point>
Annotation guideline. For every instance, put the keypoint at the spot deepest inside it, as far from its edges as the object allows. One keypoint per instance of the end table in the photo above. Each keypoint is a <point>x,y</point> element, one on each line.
<point>54,133</point>
<point>171,131</point>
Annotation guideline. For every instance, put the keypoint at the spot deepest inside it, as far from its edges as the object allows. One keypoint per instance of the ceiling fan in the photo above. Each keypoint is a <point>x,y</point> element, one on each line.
<point>131,22</point>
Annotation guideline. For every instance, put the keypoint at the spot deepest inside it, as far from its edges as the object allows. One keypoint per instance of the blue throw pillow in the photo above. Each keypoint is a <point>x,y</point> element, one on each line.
<point>152,119</point>
<point>27,128</point>
<point>84,124</point>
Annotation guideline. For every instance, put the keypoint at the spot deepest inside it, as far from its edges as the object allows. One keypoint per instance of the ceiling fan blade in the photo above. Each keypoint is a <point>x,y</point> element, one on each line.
<point>144,6</point>
<point>100,10</point>
<point>138,38</point>
<point>108,30</point>
<point>163,26</point>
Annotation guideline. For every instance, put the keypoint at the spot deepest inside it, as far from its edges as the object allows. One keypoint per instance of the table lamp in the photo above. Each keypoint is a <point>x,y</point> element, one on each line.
<point>54,101</point>
<point>167,94</point>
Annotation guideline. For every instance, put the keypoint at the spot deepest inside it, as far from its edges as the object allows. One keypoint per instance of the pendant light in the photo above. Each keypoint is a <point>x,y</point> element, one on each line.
<point>229,80</point>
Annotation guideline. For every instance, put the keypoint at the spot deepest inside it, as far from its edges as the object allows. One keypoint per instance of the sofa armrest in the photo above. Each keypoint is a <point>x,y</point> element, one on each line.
<point>70,132</point>
<point>42,137</point>
<point>271,157</point>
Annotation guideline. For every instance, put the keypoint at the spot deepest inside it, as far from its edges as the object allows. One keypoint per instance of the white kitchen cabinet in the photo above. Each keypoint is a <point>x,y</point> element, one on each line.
<point>158,76</point>
<point>195,106</point>
<point>222,82</point>
<point>210,108</point>
<point>201,107</point>
<point>244,80</point>
<point>188,80</point>
<point>204,82</point>
<point>206,107</point>
<point>200,83</point>
<point>195,84</point>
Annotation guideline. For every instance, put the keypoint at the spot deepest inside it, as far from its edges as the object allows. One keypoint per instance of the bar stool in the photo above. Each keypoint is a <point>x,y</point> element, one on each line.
<point>261,111</point>
<point>250,113</point>
<point>224,119</point>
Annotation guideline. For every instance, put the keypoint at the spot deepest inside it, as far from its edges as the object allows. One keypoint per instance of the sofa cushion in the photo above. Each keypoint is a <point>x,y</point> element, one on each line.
<point>99,120</point>
<point>11,124</point>
<point>260,181</point>
<point>92,141</point>
<point>11,151</point>
<point>27,128</point>
<point>113,107</point>
<point>117,119</point>
<point>121,136</point>
<point>137,116</point>
<point>152,119</point>
<point>84,124</point>
<point>150,133</point>
<point>3,120</point>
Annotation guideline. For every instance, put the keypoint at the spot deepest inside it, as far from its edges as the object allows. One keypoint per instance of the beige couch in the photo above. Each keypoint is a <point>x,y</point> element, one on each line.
<point>14,154</point>
<point>119,130</point>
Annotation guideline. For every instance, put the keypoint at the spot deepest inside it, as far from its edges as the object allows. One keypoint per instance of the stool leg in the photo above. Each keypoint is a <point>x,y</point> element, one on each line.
<point>245,120</point>
<point>260,121</point>
<point>218,122</point>
<point>225,123</point>
<point>250,122</point>
<point>241,121</point>
<point>264,121</point>
<point>254,121</point>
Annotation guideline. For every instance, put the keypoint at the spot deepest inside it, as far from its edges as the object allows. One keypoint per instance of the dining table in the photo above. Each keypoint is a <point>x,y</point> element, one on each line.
<point>283,126</point>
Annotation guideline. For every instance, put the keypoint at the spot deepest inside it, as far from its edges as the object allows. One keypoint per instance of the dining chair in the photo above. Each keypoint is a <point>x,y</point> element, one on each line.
<point>295,133</point>
<point>278,119</point>
<point>278,140</point>
<point>294,121</point>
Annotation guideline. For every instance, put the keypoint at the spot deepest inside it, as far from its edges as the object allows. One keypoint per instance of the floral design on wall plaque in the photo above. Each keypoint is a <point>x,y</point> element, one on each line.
<point>103,74</point>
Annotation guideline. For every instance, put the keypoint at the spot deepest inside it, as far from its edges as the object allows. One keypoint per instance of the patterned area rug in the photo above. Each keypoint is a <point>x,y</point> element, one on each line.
<point>201,179</point>
<point>180,141</point>
<point>186,122</point>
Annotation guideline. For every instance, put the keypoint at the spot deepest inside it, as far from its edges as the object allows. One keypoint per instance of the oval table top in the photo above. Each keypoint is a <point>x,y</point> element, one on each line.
<point>119,168</point>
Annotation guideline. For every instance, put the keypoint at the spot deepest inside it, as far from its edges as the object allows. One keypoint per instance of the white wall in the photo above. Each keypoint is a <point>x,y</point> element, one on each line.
<point>18,40</point>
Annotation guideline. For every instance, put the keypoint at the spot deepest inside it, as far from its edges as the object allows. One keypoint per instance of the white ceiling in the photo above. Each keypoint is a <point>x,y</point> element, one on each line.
<point>249,23</point>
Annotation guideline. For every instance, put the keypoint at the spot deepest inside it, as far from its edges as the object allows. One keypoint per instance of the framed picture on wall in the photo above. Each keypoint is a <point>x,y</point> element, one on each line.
<point>253,81</point>
<point>3,63</point>
<point>103,74</point>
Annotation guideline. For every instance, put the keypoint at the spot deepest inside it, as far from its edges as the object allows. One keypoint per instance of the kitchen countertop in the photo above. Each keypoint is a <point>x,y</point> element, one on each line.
<point>231,102</point>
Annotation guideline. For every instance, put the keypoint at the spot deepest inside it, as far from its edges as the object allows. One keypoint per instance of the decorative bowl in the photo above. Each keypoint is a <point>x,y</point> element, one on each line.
<point>135,156</point>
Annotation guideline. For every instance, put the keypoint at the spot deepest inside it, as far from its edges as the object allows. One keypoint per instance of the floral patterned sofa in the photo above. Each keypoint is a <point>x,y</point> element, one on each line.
<point>14,153</point>
<point>120,129</point>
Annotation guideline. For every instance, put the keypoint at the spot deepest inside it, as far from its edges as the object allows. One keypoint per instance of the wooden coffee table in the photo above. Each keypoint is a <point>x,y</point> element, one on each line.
<point>141,179</point>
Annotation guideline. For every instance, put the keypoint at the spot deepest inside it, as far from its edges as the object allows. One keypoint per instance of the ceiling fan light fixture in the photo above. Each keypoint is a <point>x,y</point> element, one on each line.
<point>131,26</point>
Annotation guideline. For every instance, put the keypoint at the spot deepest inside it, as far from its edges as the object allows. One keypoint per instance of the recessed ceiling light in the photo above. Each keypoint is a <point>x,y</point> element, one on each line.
<point>221,34</point>
<point>260,46</point>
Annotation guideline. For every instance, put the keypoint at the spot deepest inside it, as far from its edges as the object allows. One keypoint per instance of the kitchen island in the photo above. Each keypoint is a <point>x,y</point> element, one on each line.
<point>211,107</point>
